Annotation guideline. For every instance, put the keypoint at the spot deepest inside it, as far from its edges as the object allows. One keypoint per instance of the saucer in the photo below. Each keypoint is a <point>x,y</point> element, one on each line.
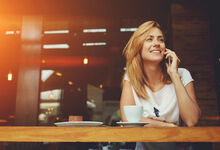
<point>78,124</point>
<point>132,124</point>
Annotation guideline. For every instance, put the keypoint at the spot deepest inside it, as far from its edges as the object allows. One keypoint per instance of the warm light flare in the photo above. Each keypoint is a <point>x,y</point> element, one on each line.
<point>17,32</point>
<point>43,61</point>
<point>70,82</point>
<point>59,74</point>
<point>11,116</point>
<point>3,121</point>
<point>65,61</point>
<point>51,96</point>
<point>79,89</point>
<point>85,61</point>
<point>9,76</point>
<point>9,32</point>
<point>101,86</point>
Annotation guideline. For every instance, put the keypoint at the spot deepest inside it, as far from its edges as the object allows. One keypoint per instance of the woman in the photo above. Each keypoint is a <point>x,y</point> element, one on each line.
<point>153,79</point>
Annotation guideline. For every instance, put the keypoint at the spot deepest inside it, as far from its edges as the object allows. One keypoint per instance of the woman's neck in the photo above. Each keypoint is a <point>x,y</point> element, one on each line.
<point>153,73</point>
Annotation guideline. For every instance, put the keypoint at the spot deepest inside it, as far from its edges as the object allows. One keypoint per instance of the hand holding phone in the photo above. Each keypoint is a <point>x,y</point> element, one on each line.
<point>168,60</point>
<point>171,57</point>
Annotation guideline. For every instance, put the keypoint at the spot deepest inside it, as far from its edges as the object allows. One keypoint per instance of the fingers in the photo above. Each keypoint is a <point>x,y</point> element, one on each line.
<point>172,55</point>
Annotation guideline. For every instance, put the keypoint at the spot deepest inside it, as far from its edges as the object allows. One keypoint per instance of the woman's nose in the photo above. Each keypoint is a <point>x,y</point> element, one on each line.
<point>156,43</point>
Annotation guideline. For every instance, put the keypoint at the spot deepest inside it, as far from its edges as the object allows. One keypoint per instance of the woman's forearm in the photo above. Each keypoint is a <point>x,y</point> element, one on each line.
<point>189,109</point>
<point>157,123</point>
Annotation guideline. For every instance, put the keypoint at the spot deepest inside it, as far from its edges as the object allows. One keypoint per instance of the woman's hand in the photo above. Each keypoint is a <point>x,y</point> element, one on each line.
<point>157,123</point>
<point>174,62</point>
<point>170,125</point>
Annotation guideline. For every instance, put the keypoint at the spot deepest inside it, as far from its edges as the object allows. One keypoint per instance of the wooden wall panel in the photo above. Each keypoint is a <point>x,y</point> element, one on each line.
<point>29,72</point>
<point>191,41</point>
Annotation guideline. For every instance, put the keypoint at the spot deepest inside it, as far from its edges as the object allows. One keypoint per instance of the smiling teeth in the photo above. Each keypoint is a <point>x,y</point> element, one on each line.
<point>155,52</point>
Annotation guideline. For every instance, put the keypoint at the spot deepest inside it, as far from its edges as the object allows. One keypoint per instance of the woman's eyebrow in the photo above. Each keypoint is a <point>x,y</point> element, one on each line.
<point>159,36</point>
<point>150,36</point>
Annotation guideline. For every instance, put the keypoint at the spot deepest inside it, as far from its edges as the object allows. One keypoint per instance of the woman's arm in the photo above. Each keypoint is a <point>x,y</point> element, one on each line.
<point>127,98</point>
<point>157,123</point>
<point>188,107</point>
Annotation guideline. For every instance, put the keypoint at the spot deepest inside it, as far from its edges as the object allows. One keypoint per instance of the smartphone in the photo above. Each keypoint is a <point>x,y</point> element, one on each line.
<point>167,60</point>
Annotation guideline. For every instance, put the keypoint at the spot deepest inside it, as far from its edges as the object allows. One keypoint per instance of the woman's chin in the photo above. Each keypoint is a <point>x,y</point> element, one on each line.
<point>157,60</point>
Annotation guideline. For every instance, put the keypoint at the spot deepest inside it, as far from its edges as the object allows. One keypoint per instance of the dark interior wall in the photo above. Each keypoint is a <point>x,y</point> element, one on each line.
<point>214,17</point>
<point>192,40</point>
<point>9,60</point>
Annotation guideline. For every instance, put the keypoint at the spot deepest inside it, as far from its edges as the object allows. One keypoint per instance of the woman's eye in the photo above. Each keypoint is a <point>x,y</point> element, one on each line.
<point>149,39</point>
<point>161,40</point>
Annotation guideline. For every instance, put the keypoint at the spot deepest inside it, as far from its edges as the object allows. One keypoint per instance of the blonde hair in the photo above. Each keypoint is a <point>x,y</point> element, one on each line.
<point>134,64</point>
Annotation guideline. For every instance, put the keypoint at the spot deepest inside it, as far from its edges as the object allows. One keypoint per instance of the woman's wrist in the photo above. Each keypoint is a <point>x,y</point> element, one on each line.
<point>171,125</point>
<point>157,123</point>
<point>174,76</point>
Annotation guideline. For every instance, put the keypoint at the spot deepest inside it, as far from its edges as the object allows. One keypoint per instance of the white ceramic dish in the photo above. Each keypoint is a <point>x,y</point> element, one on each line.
<point>132,124</point>
<point>78,124</point>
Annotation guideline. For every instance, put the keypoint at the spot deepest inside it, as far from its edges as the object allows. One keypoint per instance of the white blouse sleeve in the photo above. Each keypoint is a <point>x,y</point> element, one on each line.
<point>185,76</point>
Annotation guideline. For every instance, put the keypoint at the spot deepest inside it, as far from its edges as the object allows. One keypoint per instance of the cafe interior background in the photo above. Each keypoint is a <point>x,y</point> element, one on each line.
<point>61,58</point>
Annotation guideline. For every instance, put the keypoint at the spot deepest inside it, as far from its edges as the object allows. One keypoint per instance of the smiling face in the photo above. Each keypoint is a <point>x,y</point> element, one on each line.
<point>154,46</point>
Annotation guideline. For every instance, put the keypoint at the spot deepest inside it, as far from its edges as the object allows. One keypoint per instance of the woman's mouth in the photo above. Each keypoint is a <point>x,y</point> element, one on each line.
<point>155,51</point>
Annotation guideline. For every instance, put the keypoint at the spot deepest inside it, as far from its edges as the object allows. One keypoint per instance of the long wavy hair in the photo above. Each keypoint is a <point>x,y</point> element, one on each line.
<point>134,63</point>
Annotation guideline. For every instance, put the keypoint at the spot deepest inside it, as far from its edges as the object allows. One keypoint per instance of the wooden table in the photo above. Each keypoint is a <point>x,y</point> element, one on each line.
<point>108,134</point>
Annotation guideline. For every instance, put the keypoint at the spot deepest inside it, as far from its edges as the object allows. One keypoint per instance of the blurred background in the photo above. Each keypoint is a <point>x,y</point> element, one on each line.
<point>61,58</point>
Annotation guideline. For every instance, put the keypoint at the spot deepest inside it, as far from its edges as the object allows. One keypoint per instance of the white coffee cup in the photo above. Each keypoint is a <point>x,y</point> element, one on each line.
<point>133,113</point>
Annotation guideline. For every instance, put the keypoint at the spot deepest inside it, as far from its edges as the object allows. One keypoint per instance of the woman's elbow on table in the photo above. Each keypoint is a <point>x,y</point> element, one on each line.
<point>192,122</point>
